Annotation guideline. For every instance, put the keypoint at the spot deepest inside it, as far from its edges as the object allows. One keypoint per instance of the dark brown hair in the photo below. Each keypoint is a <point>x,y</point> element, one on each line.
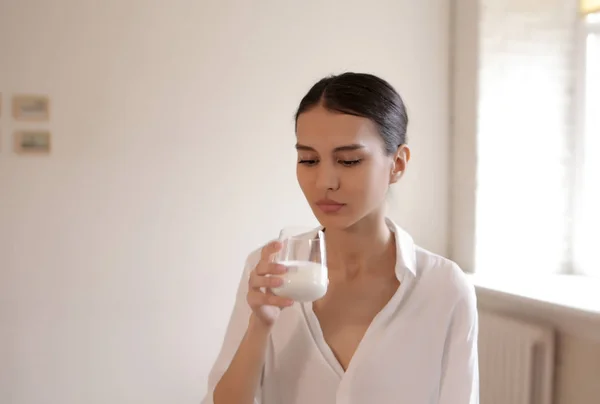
<point>363,95</point>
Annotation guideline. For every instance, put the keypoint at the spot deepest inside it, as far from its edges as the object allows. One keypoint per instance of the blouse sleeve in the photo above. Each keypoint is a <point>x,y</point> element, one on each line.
<point>238,323</point>
<point>460,367</point>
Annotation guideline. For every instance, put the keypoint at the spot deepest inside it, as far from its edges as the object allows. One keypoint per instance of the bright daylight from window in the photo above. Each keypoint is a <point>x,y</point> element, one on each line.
<point>587,236</point>
<point>538,175</point>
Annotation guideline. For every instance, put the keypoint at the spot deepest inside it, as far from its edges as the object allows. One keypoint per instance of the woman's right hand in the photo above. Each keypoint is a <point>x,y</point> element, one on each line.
<point>265,305</point>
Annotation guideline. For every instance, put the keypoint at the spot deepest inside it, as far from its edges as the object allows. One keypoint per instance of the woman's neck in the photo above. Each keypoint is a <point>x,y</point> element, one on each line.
<point>367,244</point>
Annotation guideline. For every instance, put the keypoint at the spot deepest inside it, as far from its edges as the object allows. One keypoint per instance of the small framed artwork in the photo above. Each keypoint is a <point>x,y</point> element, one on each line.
<point>31,108</point>
<point>32,142</point>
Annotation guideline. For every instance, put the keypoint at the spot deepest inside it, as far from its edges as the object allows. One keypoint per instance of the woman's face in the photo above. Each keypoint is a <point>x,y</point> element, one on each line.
<point>343,169</point>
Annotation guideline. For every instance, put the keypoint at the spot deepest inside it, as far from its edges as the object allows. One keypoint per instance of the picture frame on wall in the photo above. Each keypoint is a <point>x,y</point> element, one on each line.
<point>33,108</point>
<point>34,141</point>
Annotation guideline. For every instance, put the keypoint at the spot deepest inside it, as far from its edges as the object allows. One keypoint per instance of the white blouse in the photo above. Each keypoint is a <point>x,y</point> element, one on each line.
<point>420,349</point>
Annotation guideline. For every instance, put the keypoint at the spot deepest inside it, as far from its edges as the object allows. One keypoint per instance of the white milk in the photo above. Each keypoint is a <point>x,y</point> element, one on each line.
<point>305,281</point>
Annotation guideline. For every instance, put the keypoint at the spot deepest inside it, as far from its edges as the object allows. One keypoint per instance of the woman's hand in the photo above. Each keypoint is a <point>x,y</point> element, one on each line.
<point>240,381</point>
<point>265,305</point>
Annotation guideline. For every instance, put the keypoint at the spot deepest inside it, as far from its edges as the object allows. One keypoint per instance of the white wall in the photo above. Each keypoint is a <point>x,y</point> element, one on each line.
<point>173,158</point>
<point>464,67</point>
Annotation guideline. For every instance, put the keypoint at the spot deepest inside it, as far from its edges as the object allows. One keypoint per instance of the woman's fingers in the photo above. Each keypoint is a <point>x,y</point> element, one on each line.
<point>273,268</point>
<point>258,281</point>
<point>261,281</point>
<point>257,299</point>
<point>267,252</point>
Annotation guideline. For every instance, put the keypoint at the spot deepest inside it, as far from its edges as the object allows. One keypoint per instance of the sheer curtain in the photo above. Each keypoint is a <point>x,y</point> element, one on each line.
<point>538,163</point>
<point>587,225</point>
<point>524,160</point>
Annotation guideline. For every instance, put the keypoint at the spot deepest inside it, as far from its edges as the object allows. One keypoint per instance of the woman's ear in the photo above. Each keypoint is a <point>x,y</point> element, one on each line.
<point>401,158</point>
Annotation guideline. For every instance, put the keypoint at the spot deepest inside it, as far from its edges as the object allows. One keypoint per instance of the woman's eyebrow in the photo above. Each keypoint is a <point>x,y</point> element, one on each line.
<point>349,147</point>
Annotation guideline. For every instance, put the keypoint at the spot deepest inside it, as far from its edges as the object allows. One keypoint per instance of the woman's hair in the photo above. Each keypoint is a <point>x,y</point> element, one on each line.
<point>363,95</point>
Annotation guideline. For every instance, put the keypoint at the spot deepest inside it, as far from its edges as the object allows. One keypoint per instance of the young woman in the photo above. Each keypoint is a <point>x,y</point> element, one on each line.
<point>398,324</point>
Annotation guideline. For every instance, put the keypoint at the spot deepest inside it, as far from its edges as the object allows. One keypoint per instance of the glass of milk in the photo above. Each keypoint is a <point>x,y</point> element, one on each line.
<point>303,253</point>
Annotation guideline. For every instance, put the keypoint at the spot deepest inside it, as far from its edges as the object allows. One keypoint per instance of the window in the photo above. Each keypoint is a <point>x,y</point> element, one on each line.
<point>586,245</point>
<point>523,151</point>
<point>538,144</point>
<point>588,7</point>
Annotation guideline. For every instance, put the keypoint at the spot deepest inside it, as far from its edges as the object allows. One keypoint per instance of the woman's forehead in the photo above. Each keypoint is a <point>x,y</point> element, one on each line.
<point>322,127</point>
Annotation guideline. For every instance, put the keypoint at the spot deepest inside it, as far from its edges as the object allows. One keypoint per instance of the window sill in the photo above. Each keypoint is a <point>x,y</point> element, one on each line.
<point>569,303</point>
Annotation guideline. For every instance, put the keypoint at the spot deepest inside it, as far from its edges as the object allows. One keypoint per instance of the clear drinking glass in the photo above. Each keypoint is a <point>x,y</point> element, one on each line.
<point>303,253</point>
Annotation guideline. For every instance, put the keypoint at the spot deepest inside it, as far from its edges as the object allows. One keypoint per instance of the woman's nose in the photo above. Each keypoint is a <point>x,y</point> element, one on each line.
<point>327,178</point>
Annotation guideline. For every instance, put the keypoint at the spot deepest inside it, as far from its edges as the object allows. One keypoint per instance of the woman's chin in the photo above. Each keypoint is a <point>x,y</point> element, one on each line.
<point>339,222</point>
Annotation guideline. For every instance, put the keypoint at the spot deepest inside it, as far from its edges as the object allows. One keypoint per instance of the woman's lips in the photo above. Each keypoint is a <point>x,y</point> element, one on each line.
<point>330,206</point>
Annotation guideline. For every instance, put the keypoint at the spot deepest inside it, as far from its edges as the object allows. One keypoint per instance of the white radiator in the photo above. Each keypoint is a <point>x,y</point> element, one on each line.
<point>516,361</point>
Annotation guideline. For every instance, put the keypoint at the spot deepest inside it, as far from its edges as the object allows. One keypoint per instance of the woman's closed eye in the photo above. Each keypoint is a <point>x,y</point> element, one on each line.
<point>308,161</point>
<point>349,163</point>
<point>314,161</point>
